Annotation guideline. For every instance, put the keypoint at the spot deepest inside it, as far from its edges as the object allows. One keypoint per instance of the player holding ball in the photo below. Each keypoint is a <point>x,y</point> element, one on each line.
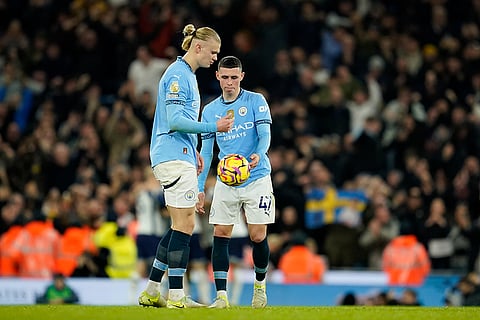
<point>249,137</point>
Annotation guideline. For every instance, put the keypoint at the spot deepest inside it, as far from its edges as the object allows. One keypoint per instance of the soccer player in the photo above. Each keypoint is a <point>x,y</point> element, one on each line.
<point>176,162</point>
<point>250,136</point>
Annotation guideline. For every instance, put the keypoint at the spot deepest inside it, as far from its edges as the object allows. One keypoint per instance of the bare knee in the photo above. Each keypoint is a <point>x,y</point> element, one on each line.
<point>257,232</point>
<point>183,219</point>
<point>223,231</point>
<point>257,238</point>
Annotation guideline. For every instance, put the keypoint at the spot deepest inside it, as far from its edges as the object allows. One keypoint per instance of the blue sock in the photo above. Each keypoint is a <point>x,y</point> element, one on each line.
<point>261,255</point>
<point>160,263</point>
<point>178,252</point>
<point>220,262</point>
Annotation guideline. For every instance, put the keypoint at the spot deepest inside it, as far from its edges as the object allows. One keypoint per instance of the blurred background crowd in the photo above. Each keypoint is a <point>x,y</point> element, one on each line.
<point>375,135</point>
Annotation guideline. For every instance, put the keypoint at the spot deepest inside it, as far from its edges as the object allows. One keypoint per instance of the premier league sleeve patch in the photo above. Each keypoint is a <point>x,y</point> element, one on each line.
<point>173,90</point>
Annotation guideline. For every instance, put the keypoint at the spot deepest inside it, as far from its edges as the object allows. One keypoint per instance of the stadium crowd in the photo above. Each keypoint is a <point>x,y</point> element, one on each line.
<point>376,126</point>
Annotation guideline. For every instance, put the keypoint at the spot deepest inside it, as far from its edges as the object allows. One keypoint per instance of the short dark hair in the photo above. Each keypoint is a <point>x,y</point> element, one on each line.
<point>230,62</point>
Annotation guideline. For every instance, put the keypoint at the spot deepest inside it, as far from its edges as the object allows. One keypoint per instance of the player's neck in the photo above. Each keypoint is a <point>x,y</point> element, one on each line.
<point>231,97</point>
<point>190,61</point>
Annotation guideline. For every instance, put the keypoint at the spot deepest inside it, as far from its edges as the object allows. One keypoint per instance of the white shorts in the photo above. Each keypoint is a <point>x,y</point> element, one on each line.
<point>179,181</point>
<point>256,199</point>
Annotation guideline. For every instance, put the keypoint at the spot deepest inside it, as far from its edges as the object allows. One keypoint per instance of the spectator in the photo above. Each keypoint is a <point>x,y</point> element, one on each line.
<point>409,298</point>
<point>349,299</point>
<point>8,266</point>
<point>461,243</point>
<point>11,212</point>
<point>405,261</point>
<point>121,248</point>
<point>74,242</point>
<point>59,292</point>
<point>123,133</point>
<point>411,213</point>
<point>152,220</point>
<point>299,264</point>
<point>364,104</point>
<point>283,78</point>
<point>145,72</point>
<point>381,229</point>
<point>121,213</point>
<point>394,111</point>
<point>91,265</point>
<point>435,237</point>
<point>60,170</point>
<point>35,250</point>
<point>465,293</point>
<point>473,234</point>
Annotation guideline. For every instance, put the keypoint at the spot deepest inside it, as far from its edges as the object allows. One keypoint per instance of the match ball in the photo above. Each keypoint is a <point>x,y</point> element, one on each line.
<point>233,170</point>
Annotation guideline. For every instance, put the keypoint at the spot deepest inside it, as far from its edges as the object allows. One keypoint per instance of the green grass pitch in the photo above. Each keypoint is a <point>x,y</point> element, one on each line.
<point>77,312</point>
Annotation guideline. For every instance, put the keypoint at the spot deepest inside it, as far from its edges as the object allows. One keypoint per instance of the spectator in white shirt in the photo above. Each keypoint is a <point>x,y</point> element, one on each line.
<point>145,72</point>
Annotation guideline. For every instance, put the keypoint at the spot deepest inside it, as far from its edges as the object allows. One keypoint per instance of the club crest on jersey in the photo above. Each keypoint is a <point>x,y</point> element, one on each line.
<point>242,111</point>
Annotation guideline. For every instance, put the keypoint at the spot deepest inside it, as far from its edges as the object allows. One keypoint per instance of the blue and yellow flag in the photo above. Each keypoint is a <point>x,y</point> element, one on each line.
<point>324,206</point>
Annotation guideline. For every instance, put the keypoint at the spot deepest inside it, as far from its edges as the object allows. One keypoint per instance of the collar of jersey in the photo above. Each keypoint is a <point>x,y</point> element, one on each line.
<point>230,102</point>
<point>180,58</point>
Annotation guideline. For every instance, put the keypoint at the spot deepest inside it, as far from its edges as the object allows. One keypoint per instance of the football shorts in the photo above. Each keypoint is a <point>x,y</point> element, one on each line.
<point>179,181</point>
<point>256,199</point>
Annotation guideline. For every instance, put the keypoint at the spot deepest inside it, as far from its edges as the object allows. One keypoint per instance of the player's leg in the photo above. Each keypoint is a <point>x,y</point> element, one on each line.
<point>224,213</point>
<point>178,254</point>
<point>261,256</point>
<point>259,205</point>
<point>221,263</point>
<point>180,198</point>
<point>151,295</point>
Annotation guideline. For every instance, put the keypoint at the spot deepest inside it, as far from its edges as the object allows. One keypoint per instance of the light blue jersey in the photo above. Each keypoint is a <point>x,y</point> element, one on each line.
<point>251,113</point>
<point>175,124</point>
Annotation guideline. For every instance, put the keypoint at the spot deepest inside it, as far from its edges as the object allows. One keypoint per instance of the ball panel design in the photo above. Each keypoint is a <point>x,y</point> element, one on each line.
<point>233,170</point>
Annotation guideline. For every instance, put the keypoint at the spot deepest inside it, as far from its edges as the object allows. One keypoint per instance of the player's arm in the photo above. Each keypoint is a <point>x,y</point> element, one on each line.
<point>207,153</point>
<point>176,97</point>
<point>264,137</point>
<point>178,122</point>
<point>263,120</point>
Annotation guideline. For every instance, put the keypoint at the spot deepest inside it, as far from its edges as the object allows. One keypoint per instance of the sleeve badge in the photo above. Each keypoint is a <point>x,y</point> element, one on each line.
<point>174,87</point>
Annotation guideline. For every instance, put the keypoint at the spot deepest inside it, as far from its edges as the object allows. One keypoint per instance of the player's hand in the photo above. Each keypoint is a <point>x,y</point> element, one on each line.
<point>254,159</point>
<point>200,163</point>
<point>199,206</point>
<point>225,124</point>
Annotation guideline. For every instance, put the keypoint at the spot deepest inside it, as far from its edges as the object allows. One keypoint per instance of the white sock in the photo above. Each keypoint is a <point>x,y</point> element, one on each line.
<point>176,294</point>
<point>153,288</point>
<point>222,293</point>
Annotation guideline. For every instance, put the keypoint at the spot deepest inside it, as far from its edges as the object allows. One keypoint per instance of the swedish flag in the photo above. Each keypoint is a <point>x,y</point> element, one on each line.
<point>324,206</point>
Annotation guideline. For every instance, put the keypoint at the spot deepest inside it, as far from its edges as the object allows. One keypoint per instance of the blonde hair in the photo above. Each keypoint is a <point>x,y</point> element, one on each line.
<point>203,33</point>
